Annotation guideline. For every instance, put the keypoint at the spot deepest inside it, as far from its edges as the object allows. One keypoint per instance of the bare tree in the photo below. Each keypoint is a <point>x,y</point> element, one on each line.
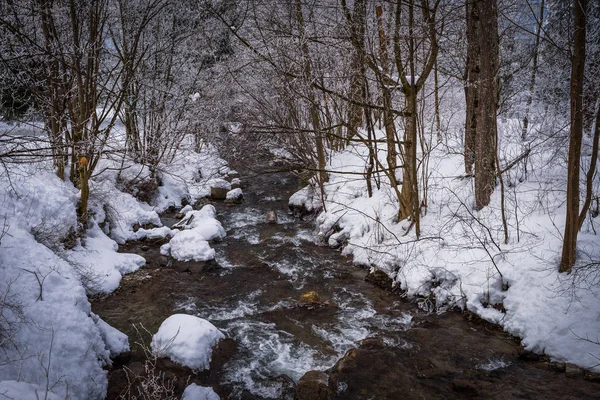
<point>572,224</point>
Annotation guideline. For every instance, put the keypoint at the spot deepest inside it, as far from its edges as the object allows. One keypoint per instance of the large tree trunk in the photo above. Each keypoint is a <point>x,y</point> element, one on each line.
<point>409,199</point>
<point>486,136</point>
<point>471,84</point>
<point>569,250</point>
<point>388,117</point>
<point>357,80</point>
<point>314,107</point>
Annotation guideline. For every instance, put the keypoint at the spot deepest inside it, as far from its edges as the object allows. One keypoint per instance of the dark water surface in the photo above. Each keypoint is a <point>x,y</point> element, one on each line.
<point>251,293</point>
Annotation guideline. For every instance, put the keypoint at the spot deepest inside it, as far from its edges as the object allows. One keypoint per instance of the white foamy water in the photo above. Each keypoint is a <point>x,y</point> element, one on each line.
<point>269,352</point>
<point>493,364</point>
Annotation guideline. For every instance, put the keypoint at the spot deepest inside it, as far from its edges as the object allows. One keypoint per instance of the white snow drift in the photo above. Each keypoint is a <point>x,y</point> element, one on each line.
<point>187,340</point>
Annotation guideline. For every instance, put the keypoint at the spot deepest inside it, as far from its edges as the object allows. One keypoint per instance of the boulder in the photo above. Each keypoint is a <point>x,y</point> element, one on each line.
<point>381,279</point>
<point>271,217</point>
<point>314,385</point>
<point>235,196</point>
<point>219,189</point>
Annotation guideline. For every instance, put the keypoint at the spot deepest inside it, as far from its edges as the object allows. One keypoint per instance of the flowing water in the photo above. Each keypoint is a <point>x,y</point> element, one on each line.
<point>251,293</point>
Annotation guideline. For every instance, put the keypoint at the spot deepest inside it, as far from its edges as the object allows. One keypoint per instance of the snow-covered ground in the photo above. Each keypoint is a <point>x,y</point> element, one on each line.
<point>51,344</point>
<point>461,259</point>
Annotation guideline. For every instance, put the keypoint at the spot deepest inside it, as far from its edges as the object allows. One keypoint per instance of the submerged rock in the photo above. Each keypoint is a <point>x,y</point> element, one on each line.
<point>381,279</point>
<point>314,385</point>
<point>309,297</point>
<point>271,217</point>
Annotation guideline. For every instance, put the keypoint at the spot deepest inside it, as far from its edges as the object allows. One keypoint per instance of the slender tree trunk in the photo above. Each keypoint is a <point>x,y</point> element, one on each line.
<point>436,101</point>
<point>388,117</point>
<point>486,136</point>
<point>533,73</point>
<point>472,83</point>
<point>314,108</point>
<point>357,80</point>
<point>409,199</point>
<point>569,250</point>
<point>589,181</point>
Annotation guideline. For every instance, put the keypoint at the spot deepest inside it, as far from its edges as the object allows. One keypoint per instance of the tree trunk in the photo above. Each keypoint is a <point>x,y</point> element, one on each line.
<point>388,117</point>
<point>486,135</point>
<point>436,102</point>
<point>357,80</point>
<point>409,199</point>
<point>533,73</point>
<point>569,249</point>
<point>471,84</point>
<point>589,181</point>
<point>314,108</point>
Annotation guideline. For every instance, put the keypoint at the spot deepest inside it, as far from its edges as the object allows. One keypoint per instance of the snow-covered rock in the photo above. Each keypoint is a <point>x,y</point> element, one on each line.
<point>195,392</point>
<point>189,245</point>
<point>219,189</point>
<point>187,340</point>
<point>234,196</point>
<point>305,201</point>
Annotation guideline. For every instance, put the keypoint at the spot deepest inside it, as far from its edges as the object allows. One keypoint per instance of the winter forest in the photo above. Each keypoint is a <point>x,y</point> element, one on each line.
<point>299,199</point>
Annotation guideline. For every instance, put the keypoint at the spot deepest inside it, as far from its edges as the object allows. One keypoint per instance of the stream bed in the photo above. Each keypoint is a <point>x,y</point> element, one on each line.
<point>373,344</point>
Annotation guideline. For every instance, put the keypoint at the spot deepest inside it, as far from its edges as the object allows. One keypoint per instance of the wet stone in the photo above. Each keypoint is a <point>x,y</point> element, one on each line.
<point>572,370</point>
<point>381,279</point>
<point>314,385</point>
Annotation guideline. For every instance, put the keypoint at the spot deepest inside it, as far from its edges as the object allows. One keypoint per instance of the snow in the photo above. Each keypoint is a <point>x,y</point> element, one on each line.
<point>191,244</point>
<point>221,184</point>
<point>189,175</point>
<point>187,340</point>
<point>116,341</point>
<point>25,391</point>
<point>53,346</point>
<point>461,253</point>
<point>234,194</point>
<point>195,392</point>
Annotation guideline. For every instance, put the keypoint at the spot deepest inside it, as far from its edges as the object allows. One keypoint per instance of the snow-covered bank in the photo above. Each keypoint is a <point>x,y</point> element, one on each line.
<point>460,259</point>
<point>51,344</point>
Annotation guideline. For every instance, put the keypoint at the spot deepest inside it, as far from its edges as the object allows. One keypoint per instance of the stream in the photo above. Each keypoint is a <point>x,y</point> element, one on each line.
<point>374,344</point>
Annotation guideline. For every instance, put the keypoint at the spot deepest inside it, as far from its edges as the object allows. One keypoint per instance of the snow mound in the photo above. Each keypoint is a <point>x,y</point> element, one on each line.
<point>120,211</point>
<point>234,194</point>
<point>306,200</point>
<point>99,264</point>
<point>187,340</point>
<point>191,244</point>
<point>116,341</point>
<point>195,392</point>
<point>221,184</point>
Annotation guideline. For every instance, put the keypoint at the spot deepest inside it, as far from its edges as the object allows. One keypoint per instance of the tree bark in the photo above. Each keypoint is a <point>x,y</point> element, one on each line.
<point>357,80</point>
<point>486,133</point>
<point>388,117</point>
<point>589,181</point>
<point>569,250</point>
<point>471,83</point>
<point>534,68</point>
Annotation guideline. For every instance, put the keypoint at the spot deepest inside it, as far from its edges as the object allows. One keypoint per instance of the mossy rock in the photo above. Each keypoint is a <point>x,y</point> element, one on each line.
<point>309,297</point>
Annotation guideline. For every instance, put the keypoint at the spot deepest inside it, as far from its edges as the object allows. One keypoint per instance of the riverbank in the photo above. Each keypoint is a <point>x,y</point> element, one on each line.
<point>369,341</point>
